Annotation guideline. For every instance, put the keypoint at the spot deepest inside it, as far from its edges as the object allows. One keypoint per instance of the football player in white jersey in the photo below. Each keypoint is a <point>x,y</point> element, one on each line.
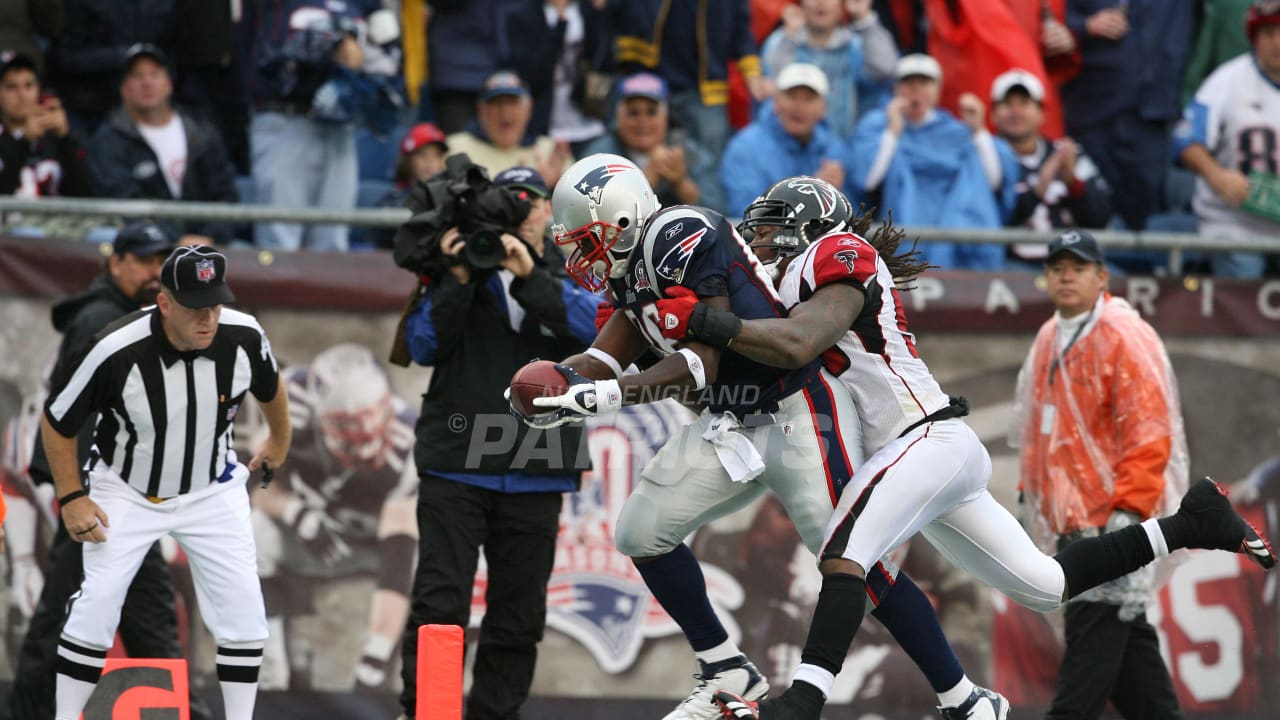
<point>927,471</point>
<point>1231,129</point>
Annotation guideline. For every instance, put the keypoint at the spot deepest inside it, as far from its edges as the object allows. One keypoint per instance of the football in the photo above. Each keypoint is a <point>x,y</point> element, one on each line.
<point>537,379</point>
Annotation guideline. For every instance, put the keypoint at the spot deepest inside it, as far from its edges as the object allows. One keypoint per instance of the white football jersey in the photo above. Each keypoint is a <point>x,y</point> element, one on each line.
<point>1236,116</point>
<point>876,359</point>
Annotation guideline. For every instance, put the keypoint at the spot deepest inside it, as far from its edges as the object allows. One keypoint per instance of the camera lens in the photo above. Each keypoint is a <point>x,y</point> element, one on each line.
<point>483,249</point>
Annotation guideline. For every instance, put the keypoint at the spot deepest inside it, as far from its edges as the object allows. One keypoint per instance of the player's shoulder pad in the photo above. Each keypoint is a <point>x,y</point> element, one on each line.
<point>673,235</point>
<point>842,257</point>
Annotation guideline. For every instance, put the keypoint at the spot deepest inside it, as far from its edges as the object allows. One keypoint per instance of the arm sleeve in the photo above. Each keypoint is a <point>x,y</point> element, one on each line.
<point>435,325</point>
<point>559,304</point>
<point>744,44</point>
<point>11,161</point>
<point>83,392</point>
<point>778,52</point>
<point>879,51</point>
<point>985,144</point>
<point>1092,207</point>
<point>841,259</point>
<point>264,368</point>
<point>73,160</point>
<point>1143,422</point>
<point>879,167</point>
<point>1077,12</point>
<point>109,174</point>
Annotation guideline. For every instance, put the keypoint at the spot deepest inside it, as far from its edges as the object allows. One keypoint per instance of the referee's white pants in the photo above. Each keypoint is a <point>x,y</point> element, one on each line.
<point>212,525</point>
<point>934,481</point>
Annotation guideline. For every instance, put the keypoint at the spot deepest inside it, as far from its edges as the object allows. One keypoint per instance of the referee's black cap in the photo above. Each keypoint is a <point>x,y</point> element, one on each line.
<point>197,277</point>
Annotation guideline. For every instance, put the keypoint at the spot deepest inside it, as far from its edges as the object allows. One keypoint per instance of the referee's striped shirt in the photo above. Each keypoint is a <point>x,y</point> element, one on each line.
<point>166,416</point>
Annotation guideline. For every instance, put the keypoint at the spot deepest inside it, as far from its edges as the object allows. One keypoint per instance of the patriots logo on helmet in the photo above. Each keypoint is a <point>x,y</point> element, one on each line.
<point>673,264</point>
<point>823,193</point>
<point>592,184</point>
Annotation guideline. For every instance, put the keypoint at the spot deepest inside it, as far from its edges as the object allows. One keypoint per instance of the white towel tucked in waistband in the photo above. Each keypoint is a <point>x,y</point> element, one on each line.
<point>736,452</point>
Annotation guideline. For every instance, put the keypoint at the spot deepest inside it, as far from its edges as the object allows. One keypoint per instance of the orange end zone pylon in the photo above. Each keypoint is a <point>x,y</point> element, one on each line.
<point>440,649</point>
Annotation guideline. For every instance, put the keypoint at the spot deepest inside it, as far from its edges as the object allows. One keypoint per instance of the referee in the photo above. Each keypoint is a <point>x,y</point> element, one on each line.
<point>168,382</point>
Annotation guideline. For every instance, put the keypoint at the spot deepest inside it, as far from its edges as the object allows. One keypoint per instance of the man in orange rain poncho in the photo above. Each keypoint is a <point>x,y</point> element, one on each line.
<point>1100,429</point>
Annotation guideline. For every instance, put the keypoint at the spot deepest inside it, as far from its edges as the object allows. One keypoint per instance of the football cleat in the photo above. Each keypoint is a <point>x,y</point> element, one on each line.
<point>982,704</point>
<point>789,706</point>
<point>736,675</point>
<point>735,708</point>
<point>1218,526</point>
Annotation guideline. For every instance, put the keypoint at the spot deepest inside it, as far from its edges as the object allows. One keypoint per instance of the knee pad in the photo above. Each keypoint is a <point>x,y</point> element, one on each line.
<point>636,534</point>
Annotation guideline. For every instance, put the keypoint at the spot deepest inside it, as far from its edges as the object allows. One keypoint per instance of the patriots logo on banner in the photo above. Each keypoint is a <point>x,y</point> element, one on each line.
<point>674,263</point>
<point>823,194</point>
<point>205,272</point>
<point>846,258</point>
<point>592,184</point>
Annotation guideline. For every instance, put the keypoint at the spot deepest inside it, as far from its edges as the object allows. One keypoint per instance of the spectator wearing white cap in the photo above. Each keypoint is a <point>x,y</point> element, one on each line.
<point>789,138</point>
<point>858,56</point>
<point>499,138</point>
<point>680,170</point>
<point>1058,185</point>
<point>931,169</point>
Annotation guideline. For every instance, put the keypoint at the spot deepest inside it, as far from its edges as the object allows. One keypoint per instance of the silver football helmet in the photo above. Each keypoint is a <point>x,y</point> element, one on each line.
<point>599,207</point>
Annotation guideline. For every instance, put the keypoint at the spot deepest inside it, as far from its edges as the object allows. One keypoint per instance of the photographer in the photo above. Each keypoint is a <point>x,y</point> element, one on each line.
<point>39,154</point>
<point>487,479</point>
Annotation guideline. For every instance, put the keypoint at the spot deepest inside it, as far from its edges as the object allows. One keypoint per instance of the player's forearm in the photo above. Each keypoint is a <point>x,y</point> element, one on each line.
<point>776,342</point>
<point>1197,159</point>
<point>63,463</point>
<point>279,427</point>
<point>672,376</point>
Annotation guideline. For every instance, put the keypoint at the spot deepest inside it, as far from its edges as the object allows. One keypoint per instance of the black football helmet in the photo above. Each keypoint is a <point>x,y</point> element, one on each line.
<point>800,210</point>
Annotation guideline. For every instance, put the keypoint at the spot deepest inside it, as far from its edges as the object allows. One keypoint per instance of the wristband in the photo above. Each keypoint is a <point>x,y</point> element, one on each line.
<point>696,368</point>
<point>607,359</point>
<point>713,327</point>
<point>73,495</point>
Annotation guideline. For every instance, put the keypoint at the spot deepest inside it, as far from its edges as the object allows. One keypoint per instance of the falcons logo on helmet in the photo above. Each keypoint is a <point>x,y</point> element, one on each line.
<point>823,193</point>
<point>592,184</point>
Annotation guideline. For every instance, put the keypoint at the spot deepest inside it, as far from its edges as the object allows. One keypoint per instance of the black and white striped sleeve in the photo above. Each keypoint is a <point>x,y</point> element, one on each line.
<point>264,370</point>
<point>81,395</point>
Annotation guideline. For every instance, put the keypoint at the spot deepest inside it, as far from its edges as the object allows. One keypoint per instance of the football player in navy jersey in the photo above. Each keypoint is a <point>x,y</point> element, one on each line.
<point>793,431</point>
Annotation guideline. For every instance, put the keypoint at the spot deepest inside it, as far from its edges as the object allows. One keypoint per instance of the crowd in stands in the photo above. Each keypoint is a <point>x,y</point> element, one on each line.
<point>1126,114</point>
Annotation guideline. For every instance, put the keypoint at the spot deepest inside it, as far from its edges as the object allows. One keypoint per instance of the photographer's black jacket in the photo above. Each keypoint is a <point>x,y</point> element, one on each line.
<point>466,332</point>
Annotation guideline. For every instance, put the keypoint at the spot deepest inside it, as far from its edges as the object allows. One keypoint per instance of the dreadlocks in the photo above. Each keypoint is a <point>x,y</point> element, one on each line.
<point>905,266</point>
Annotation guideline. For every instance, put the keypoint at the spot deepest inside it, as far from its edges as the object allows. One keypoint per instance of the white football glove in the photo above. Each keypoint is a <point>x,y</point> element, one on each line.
<point>584,398</point>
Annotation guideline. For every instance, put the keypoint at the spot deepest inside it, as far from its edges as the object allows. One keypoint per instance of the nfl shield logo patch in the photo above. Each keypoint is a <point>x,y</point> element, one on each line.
<point>205,271</point>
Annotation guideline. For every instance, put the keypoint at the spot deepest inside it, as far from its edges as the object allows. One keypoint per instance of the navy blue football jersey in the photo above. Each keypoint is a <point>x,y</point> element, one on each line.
<point>699,249</point>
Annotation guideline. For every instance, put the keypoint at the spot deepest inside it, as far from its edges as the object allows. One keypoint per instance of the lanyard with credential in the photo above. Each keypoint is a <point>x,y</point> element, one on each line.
<point>1049,411</point>
<point>1053,366</point>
